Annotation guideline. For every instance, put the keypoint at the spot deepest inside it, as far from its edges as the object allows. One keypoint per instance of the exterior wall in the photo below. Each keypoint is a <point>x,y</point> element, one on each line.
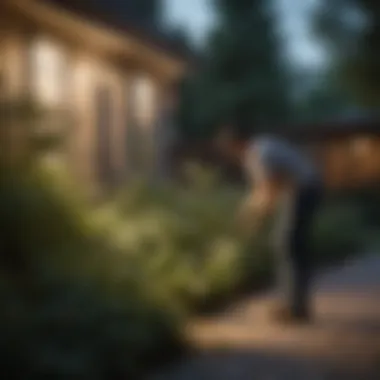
<point>81,139</point>
<point>143,92</point>
<point>87,75</point>
<point>162,132</point>
<point>167,137</point>
<point>83,72</point>
<point>157,125</point>
<point>351,161</point>
<point>14,41</point>
<point>147,103</point>
<point>13,63</point>
<point>366,151</point>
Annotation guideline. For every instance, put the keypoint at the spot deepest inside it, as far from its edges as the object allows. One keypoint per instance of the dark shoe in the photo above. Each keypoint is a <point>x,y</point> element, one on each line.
<point>284,315</point>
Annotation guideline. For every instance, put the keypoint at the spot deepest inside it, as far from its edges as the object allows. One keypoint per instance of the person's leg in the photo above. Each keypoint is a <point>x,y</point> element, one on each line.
<point>300,301</point>
<point>300,251</point>
<point>293,255</point>
<point>284,269</point>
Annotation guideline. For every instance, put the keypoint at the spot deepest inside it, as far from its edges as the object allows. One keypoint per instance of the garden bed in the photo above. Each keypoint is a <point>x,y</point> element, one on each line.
<point>107,289</point>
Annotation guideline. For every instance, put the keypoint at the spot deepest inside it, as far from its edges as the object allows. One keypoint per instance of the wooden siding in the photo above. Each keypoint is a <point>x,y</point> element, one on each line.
<point>86,70</point>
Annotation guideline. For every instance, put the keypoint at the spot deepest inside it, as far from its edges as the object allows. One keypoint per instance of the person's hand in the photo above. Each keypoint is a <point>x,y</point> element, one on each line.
<point>248,216</point>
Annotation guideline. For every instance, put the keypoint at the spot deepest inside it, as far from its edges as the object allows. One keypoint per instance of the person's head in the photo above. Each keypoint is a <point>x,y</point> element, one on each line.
<point>229,145</point>
<point>261,142</point>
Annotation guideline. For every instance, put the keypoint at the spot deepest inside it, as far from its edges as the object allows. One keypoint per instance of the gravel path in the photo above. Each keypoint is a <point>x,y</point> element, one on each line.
<point>342,343</point>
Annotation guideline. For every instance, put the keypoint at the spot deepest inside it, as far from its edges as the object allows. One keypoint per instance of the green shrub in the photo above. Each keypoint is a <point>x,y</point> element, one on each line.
<point>69,330</point>
<point>100,292</point>
<point>186,236</point>
<point>192,246</point>
<point>78,305</point>
<point>339,231</point>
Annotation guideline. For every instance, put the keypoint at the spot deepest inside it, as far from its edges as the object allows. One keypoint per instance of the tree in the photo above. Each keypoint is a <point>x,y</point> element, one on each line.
<point>319,96</point>
<point>350,30</point>
<point>244,78</point>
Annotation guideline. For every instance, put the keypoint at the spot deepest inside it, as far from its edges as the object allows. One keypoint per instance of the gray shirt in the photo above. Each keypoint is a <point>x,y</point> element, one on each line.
<point>277,156</point>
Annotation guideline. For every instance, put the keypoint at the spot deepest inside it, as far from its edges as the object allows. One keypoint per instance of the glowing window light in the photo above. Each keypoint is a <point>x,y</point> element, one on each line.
<point>47,72</point>
<point>361,146</point>
<point>83,75</point>
<point>144,98</point>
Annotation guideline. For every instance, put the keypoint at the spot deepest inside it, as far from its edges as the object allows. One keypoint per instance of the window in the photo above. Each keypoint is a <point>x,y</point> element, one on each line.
<point>143,93</point>
<point>104,107</point>
<point>48,86</point>
<point>365,158</point>
<point>47,70</point>
<point>141,115</point>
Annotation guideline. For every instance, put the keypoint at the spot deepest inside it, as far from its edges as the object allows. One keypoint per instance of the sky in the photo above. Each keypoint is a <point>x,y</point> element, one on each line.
<point>197,18</point>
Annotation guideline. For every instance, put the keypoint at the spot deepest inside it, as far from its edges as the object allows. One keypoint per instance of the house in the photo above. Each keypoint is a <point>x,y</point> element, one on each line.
<point>115,83</point>
<point>347,150</point>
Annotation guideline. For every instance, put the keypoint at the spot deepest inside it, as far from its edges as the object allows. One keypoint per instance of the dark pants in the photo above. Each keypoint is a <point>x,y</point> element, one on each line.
<point>294,252</point>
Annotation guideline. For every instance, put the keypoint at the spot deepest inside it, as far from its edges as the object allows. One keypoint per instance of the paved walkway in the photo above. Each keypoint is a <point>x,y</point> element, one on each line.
<point>343,343</point>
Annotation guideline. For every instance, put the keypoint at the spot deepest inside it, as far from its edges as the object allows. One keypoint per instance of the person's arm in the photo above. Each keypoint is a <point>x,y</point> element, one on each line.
<point>270,179</point>
<point>259,204</point>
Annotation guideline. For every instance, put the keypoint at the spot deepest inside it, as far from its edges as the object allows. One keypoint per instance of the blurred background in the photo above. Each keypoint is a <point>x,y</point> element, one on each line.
<point>117,207</point>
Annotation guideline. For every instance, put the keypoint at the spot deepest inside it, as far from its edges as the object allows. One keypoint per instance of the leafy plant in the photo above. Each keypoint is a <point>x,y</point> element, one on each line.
<point>103,291</point>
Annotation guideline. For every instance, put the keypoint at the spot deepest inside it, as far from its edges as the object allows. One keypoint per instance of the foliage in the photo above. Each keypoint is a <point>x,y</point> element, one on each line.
<point>243,78</point>
<point>350,31</point>
<point>76,302</point>
<point>73,300</point>
<point>338,231</point>
<point>100,292</point>
<point>319,95</point>
<point>28,132</point>
<point>194,224</point>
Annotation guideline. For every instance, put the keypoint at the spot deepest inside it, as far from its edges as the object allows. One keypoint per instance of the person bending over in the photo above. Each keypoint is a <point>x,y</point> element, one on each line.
<point>284,183</point>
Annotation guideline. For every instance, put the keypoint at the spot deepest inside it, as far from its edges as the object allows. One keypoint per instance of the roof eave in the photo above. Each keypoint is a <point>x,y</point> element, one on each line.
<point>109,40</point>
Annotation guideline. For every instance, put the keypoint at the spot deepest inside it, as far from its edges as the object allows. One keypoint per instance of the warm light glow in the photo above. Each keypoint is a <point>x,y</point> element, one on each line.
<point>48,72</point>
<point>361,146</point>
<point>143,91</point>
<point>83,75</point>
